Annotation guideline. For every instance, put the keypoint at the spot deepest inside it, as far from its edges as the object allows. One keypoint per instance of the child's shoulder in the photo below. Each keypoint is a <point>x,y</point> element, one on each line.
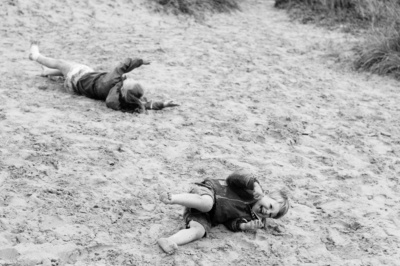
<point>215,182</point>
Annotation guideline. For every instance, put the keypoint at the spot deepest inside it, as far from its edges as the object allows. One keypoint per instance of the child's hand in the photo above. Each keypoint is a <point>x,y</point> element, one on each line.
<point>252,225</point>
<point>145,62</point>
<point>170,103</point>
<point>258,192</point>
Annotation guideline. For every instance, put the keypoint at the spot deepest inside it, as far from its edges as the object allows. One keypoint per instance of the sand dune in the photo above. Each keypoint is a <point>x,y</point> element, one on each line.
<point>78,180</point>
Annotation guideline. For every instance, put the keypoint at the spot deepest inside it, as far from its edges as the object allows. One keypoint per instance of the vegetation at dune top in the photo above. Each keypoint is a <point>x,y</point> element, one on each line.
<point>196,8</point>
<point>377,20</point>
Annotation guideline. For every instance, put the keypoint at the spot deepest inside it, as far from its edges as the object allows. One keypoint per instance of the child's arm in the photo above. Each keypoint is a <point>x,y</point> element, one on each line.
<point>252,225</point>
<point>129,64</point>
<point>247,182</point>
<point>152,105</point>
<point>241,224</point>
<point>235,224</point>
<point>112,100</point>
<point>239,180</point>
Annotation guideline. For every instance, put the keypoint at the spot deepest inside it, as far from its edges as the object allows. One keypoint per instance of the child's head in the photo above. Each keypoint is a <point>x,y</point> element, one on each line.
<point>131,92</point>
<point>275,205</point>
<point>131,89</point>
<point>282,198</point>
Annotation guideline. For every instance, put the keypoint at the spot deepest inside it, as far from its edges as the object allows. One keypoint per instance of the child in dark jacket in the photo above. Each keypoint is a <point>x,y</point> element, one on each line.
<point>237,202</point>
<point>119,93</point>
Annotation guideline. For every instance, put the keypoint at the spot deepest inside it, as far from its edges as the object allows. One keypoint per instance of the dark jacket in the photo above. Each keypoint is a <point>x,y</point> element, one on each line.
<point>106,86</point>
<point>233,201</point>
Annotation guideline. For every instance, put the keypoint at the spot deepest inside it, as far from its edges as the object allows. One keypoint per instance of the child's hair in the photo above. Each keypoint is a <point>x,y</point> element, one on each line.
<point>282,198</point>
<point>133,89</point>
<point>129,95</point>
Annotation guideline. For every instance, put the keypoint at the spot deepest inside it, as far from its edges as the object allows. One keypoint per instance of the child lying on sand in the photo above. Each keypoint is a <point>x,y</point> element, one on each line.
<point>118,92</point>
<point>237,202</point>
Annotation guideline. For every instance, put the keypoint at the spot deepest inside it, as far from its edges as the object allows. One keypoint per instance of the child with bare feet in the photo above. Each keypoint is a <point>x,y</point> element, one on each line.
<point>113,87</point>
<point>237,202</point>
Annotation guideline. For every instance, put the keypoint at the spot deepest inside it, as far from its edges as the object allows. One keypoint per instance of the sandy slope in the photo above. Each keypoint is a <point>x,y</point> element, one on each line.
<point>78,181</point>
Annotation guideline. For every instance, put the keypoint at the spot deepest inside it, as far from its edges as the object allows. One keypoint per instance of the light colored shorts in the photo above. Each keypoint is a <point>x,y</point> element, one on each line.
<point>76,72</point>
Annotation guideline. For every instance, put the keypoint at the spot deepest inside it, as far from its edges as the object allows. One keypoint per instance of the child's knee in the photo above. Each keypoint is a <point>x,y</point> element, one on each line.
<point>198,228</point>
<point>208,203</point>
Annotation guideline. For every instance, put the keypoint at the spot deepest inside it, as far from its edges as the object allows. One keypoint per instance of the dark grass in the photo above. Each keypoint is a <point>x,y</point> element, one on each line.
<point>382,58</point>
<point>332,16</point>
<point>377,20</point>
<point>196,8</point>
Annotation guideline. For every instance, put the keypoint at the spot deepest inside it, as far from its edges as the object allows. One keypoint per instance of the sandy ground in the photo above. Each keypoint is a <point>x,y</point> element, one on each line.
<point>78,181</point>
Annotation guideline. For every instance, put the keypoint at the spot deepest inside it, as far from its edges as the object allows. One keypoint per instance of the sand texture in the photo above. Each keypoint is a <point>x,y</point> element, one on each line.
<point>78,181</point>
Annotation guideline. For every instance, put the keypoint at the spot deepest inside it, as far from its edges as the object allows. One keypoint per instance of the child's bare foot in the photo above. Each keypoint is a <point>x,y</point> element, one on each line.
<point>34,51</point>
<point>165,196</point>
<point>167,245</point>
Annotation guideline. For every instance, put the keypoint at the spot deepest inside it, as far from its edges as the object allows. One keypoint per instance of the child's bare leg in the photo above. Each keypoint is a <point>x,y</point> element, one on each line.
<point>46,72</point>
<point>203,203</point>
<point>182,237</point>
<point>62,65</point>
<point>194,232</point>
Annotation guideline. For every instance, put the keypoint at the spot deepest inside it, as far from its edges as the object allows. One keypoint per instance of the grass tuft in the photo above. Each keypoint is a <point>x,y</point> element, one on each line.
<point>195,8</point>
<point>378,19</point>
<point>382,58</point>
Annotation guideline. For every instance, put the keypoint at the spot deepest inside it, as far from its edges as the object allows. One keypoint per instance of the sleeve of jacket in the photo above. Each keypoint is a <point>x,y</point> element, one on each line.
<point>234,224</point>
<point>128,65</point>
<point>151,105</point>
<point>112,100</point>
<point>240,180</point>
